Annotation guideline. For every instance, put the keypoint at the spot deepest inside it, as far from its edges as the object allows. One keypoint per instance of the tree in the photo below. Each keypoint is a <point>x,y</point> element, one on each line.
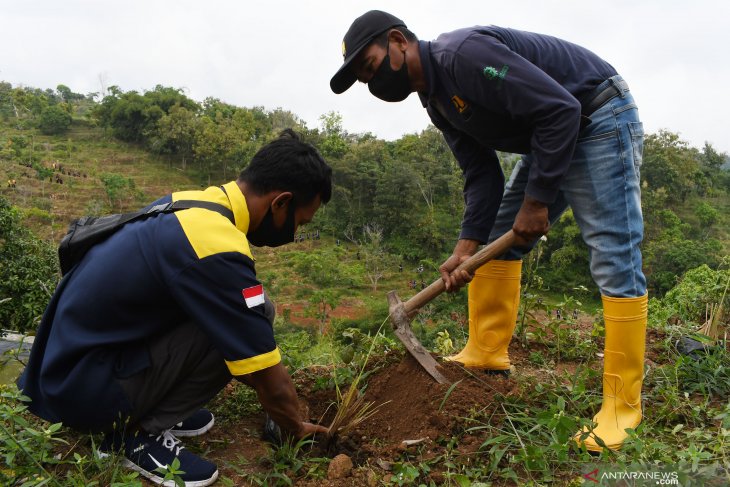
<point>672,254</point>
<point>333,144</point>
<point>118,188</point>
<point>321,302</point>
<point>707,216</point>
<point>67,95</point>
<point>669,163</point>
<point>398,203</point>
<point>54,120</point>
<point>175,133</point>
<point>324,280</point>
<point>6,100</point>
<point>377,260</point>
<point>355,181</point>
<point>133,117</point>
<point>712,159</point>
<point>281,119</point>
<point>321,267</point>
<point>227,136</point>
<point>568,262</point>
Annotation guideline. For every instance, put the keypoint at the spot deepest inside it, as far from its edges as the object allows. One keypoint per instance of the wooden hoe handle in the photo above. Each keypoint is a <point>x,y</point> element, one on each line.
<point>491,251</point>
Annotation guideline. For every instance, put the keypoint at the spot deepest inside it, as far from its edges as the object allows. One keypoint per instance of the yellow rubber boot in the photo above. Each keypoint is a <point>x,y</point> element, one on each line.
<point>623,371</point>
<point>494,296</point>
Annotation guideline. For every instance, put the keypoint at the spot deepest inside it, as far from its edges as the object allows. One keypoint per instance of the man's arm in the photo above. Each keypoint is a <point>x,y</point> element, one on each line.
<point>483,188</point>
<point>278,397</point>
<point>483,180</point>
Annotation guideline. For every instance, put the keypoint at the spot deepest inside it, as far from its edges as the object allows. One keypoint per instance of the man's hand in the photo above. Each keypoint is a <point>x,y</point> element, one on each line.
<point>531,222</point>
<point>278,397</point>
<point>453,279</point>
<point>308,429</point>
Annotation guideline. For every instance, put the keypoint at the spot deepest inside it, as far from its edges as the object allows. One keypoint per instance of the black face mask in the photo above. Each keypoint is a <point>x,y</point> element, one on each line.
<point>268,235</point>
<point>388,84</point>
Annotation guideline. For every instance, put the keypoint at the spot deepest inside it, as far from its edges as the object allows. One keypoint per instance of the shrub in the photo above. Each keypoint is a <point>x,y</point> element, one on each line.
<point>54,120</point>
<point>698,289</point>
<point>28,275</point>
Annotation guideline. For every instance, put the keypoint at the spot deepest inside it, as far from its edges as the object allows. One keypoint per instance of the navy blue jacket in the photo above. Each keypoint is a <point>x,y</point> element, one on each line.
<point>492,88</point>
<point>146,279</point>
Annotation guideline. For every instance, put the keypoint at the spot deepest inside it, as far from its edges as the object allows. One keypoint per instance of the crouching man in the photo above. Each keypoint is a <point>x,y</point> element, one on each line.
<point>154,321</point>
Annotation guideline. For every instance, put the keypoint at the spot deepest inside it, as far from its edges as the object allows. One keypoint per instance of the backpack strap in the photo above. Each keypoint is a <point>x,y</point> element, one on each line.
<point>187,204</point>
<point>87,231</point>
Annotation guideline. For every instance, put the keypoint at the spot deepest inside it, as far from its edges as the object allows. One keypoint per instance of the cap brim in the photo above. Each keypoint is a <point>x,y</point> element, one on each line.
<point>345,77</point>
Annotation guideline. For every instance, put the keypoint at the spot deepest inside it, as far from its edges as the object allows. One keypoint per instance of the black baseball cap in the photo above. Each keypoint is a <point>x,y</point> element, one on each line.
<point>362,31</point>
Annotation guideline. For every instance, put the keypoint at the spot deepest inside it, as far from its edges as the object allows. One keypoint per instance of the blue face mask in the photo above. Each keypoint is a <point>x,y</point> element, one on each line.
<point>266,234</point>
<point>388,84</point>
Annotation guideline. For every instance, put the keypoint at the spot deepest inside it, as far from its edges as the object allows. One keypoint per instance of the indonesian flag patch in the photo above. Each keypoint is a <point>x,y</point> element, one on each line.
<point>254,295</point>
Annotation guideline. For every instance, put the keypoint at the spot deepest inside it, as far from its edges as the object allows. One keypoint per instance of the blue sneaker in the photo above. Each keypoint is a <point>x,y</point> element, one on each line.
<point>197,424</point>
<point>145,453</point>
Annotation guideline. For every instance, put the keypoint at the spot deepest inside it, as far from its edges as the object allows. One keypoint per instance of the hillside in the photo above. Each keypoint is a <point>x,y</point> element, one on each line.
<point>66,181</point>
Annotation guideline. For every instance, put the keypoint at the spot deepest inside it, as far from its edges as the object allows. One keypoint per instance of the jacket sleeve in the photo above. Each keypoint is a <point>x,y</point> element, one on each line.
<point>489,74</point>
<point>212,291</point>
<point>483,180</point>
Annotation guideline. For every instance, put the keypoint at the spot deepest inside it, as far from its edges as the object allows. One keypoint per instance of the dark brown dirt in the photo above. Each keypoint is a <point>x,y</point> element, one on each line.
<point>415,406</point>
<point>411,406</point>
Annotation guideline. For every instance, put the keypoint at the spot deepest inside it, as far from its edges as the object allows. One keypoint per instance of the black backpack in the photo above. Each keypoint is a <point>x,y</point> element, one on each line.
<point>88,231</point>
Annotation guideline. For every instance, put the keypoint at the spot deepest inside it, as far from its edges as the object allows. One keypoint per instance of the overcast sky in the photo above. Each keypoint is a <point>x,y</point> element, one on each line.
<point>673,53</point>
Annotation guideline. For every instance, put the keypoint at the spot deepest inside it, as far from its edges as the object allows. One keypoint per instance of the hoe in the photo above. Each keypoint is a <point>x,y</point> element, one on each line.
<point>401,313</point>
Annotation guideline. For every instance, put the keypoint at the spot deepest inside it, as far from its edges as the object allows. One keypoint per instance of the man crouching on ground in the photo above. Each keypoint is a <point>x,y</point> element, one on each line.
<point>154,321</point>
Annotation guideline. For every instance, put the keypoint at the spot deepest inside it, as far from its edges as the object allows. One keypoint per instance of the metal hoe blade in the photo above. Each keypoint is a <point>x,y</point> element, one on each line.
<point>404,333</point>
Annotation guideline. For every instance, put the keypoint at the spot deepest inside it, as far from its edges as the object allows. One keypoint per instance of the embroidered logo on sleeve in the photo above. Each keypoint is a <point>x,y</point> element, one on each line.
<point>254,295</point>
<point>491,72</point>
<point>459,104</point>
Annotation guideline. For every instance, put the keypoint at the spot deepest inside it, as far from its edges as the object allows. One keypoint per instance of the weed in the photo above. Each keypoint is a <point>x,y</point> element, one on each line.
<point>30,450</point>
<point>352,409</point>
<point>444,344</point>
<point>285,464</point>
<point>172,472</point>
<point>239,400</point>
<point>707,374</point>
<point>406,473</point>
<point>25,447</point>
<point>561,335</point>
<point>530,302</point>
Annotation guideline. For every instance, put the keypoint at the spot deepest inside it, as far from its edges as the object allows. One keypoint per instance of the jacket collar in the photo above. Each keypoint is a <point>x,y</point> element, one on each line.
<point>424,49</point>
<point>238,205</point>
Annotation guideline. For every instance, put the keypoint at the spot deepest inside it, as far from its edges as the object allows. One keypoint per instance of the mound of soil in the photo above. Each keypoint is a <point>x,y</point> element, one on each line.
<point>415,406</point>
<point>411,405</point>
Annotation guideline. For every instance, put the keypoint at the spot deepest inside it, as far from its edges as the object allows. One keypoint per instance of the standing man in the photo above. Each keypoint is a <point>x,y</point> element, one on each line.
<point>154,321</point>
<point>574,119</point>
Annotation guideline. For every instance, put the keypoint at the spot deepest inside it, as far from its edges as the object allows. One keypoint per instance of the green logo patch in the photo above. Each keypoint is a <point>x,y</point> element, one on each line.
<point>490,72</point>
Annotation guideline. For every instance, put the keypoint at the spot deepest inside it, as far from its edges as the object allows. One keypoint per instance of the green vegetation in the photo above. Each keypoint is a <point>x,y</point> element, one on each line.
<point>54,120</point>
<point>394,203</point>
<point>524,436</point>
<point>28,274</point>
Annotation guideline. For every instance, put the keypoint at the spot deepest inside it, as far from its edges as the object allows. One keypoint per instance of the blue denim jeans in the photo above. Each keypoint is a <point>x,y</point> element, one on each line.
<point>602,187</point>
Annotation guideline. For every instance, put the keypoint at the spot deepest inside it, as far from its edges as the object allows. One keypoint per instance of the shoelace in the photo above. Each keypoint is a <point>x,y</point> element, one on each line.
<point>170,442</point>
